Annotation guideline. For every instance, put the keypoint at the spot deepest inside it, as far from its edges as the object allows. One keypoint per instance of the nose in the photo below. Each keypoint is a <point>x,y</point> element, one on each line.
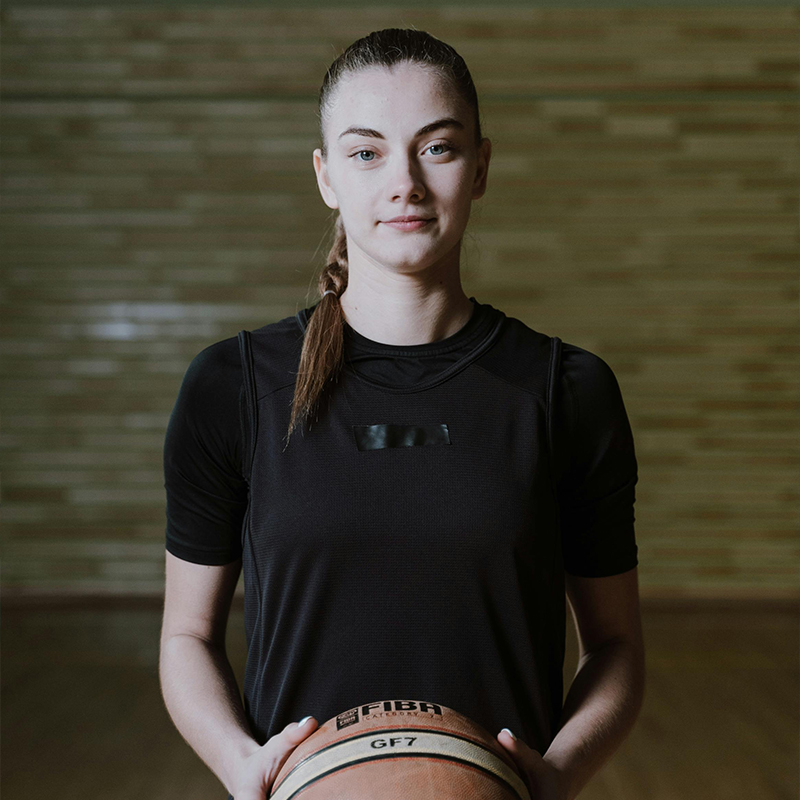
<point>406,181</point>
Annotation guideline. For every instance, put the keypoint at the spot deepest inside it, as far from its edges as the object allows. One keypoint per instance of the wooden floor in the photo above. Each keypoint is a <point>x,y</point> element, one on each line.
<point>82,715</point>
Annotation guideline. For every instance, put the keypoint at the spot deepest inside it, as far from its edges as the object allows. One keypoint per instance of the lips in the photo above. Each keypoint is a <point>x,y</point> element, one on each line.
<point>410,218</point>
<point>411,225</point>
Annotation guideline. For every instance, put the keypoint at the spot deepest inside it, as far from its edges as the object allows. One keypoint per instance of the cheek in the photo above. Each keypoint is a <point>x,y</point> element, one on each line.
<point>460,186</point>
<point>462,197</point>
<point>358,202</point>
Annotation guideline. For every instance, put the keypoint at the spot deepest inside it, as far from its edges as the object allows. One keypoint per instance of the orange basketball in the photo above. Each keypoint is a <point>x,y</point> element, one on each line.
<point>399,750</point>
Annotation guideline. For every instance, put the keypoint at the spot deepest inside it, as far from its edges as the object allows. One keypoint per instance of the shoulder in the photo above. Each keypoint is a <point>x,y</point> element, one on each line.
<point>590,411</point>
<point>520,355</point>
<point>586,379</point>
<point>276,350</point>
<point>219,358</point>
<point>583,367</point>
<point>206,418</point>
<point>216,368</point>
<point>210,391</point>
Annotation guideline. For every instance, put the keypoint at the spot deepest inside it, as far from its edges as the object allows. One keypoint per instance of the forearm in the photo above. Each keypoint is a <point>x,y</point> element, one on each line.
<point>202,698</point>
<point>600,709</point>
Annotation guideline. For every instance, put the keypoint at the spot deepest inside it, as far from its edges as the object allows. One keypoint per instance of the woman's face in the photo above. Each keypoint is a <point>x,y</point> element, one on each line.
<point>396,165</point>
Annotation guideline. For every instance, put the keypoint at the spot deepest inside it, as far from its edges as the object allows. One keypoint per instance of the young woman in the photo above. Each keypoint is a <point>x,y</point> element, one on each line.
<point>458,472</point>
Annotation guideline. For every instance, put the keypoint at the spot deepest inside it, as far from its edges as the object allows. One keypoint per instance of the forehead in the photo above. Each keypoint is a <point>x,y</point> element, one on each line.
<point>406,93</point>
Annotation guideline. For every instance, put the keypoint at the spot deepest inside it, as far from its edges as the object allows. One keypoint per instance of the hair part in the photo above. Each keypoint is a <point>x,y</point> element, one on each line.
<point>322,354</point>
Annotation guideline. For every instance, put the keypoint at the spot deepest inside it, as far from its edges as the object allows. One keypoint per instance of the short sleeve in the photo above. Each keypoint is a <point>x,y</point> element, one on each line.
<point>596,484</point>
<point>207,493</point>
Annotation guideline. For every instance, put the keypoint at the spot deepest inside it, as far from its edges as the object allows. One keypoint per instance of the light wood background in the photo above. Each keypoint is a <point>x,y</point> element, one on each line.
<point>158,196</point>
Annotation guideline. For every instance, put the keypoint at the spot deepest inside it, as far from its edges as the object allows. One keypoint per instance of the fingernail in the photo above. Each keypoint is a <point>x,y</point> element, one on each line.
<point>303,721</point>
<point>509,733</point>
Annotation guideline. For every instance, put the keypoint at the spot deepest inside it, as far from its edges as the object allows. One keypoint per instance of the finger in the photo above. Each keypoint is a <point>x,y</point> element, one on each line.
<point>297,732</point>
<point>505,737</point>
<point>514,746</point>
<point>289,738</point>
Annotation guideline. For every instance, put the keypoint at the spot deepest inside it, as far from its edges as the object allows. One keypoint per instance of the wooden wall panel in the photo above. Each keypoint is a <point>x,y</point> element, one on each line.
<point>159,195</point>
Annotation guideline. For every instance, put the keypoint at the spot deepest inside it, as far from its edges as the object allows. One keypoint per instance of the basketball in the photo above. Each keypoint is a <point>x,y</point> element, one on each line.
<point>399,750</point>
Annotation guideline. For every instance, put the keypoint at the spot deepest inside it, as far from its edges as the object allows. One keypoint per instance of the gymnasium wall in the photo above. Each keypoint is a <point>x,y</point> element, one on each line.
<point>159,195</point>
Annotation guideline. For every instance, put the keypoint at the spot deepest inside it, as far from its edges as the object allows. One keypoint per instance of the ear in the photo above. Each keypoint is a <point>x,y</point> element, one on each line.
<point>484,154</point>
<point>325,189</point>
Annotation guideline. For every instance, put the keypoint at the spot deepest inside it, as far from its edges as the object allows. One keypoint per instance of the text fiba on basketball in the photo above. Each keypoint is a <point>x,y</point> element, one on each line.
<point>386,708</point>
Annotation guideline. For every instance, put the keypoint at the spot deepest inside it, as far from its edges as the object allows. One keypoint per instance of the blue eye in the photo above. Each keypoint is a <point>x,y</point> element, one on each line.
<point>372,152</point>
<point>441,144</point>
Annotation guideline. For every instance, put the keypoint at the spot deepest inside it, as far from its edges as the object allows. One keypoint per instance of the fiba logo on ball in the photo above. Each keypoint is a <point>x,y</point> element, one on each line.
<point>398,749</point>
<point>387,707</point>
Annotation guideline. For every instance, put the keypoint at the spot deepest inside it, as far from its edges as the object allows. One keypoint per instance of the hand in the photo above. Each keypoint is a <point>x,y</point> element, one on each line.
<point>543,780</point>
<point>257,772</point>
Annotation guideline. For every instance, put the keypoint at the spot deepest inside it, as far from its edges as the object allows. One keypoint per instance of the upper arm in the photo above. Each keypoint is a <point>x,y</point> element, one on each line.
<point>606,610</point>
<point>597,469</point>
<point>207,495</point>
<point>206,489</point>
<point>197,599</point>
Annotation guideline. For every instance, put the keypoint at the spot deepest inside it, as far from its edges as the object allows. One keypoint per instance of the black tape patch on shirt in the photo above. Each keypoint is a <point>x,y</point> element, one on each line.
<point>378,437</point>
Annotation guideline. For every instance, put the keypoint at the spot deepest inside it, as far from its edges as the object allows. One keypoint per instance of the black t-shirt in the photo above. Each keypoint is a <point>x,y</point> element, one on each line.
<point>486,383</point>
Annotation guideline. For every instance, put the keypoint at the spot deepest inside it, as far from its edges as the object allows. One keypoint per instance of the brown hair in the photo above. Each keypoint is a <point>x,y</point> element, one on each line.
<point>321,358</point>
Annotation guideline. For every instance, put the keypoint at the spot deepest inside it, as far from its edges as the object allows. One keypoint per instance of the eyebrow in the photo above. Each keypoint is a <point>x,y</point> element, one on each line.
<point>445,122</point>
